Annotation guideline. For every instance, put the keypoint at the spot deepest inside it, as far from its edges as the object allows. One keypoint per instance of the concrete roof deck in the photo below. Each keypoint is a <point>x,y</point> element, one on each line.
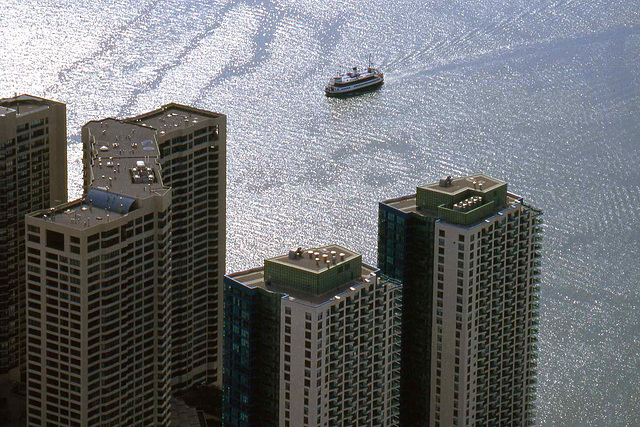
<point>77,214</point>
<point>131,139</point>
<point>407,204</point>
<point>27,104</point>
<point>173,116</point>
<point>121,177</point>
<point>117,147</point>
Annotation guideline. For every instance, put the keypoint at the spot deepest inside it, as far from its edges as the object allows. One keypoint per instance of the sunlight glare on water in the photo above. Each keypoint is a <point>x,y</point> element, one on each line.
<point>543,94</point>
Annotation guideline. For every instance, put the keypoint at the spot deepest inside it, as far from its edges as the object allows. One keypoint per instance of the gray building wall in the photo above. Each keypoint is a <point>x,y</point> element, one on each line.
<point>98,321</point>
<point>33,176</point>
<point>192,146</point>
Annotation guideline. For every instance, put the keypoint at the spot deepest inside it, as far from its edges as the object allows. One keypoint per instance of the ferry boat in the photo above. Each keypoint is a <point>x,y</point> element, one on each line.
<point>354,81</point>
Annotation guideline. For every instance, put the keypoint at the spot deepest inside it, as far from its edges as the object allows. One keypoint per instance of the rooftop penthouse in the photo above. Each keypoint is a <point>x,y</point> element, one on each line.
<point>463,201</point>
<point>313,276</point>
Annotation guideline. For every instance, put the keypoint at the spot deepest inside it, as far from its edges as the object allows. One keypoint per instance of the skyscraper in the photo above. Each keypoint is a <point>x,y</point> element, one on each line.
<point>33,175</point>
<point>193,155</point>
<point>116,325</point>
<point>311,339</point>
<point>99,283</point>
<point>467,252</point>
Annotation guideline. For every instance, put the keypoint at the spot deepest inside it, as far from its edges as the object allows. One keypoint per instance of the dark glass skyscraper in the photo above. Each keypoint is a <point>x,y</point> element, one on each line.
<point>405,252</point>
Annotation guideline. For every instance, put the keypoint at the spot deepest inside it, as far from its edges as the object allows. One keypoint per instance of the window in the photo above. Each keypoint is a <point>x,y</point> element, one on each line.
<point>55,240</point>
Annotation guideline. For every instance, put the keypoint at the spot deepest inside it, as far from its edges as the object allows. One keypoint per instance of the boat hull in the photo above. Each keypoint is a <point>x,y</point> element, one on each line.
<point>355,90</point>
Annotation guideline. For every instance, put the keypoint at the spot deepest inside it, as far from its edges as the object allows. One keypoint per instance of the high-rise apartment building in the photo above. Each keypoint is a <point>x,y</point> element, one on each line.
<point>193,155</point>
<point>116,325</point>
<point>33,175</point>
<point>311,339</point>
<point>467,252</point>
<point>98,291</point>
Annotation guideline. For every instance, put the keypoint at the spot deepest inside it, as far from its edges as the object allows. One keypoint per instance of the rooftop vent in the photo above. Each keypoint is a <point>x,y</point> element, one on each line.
<point>141,174</point>
<point>446,182</point>
<point>295,253</point>
<point>468,204</point>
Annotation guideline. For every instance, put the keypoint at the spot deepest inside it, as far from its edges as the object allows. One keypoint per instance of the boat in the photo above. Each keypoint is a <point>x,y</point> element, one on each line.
<point>355,81</point>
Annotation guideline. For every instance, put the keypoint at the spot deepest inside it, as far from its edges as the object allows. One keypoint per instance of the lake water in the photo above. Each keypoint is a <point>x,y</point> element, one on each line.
<point>541,93</point>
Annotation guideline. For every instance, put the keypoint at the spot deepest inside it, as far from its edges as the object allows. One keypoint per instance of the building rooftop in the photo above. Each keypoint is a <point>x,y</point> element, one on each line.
<point>26,104</point>
<point>405,204</point>
<point>78,214</point>
<point>124,169</point>
<point>171,117</point>
<point>254,278</point>
<point>452,186</point>
<point>305,275</point>
<point>315,260</point>
<point>464,201</point>
<point>124,158</point>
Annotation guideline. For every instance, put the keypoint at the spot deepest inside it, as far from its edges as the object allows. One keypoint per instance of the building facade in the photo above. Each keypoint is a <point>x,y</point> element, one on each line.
<point>311,339</point>
<point>98,291</point>
<point>33,176</point>
<point>192,145</point>
<point>117,326</point>
<point>468,254</point>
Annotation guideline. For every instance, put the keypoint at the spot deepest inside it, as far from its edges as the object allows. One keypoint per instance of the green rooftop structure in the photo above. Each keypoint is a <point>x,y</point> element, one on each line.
<point>464,201</point>
<point>314,271</point>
